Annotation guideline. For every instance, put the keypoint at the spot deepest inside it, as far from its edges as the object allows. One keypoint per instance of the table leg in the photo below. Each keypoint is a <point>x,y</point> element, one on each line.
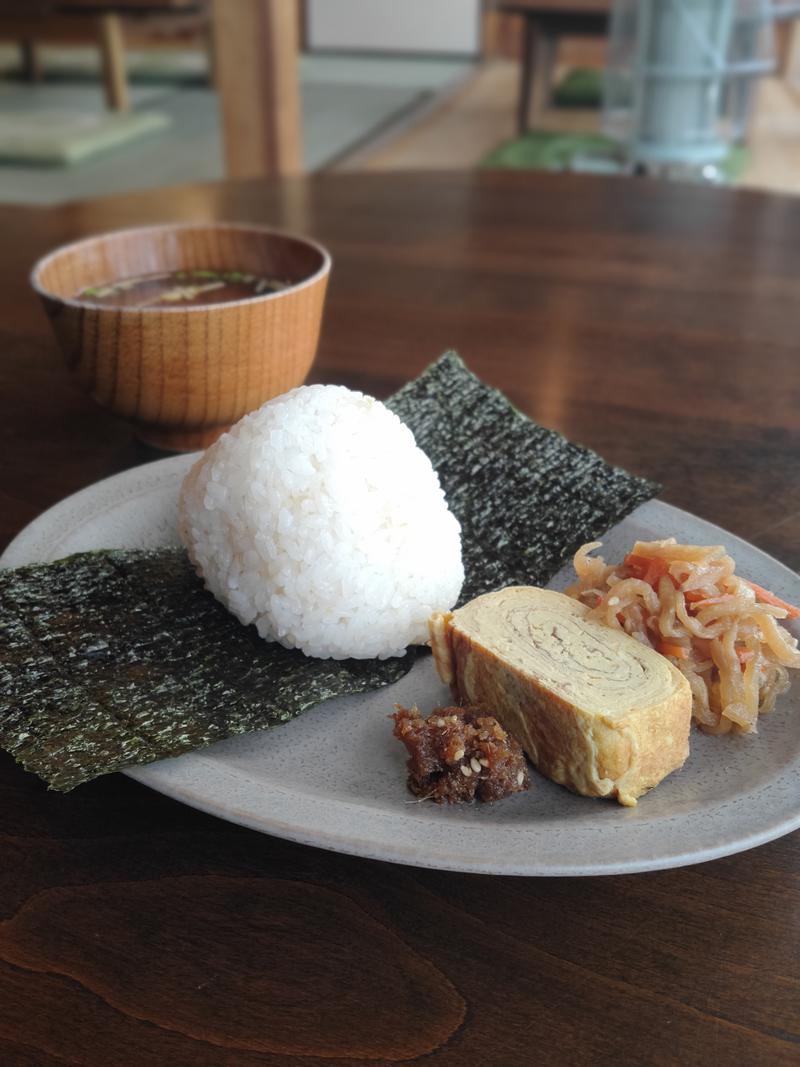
<point>530,30</point>
<point>211,56</point>
<point>112,53</point>
<point>31,60</point>
<point>789,53</point>
<point>544,69</point>
<point>256,46</point>
<point>536,78</point>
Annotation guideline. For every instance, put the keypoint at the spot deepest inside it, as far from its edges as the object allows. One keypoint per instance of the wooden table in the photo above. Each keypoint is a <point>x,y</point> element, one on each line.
<point>545,23</point>
<point>656,323</point>
<point>79,21</point>
<point>253,48</point>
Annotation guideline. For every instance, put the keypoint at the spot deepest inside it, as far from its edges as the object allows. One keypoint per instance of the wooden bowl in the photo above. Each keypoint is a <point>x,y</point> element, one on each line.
<point>183,375</point>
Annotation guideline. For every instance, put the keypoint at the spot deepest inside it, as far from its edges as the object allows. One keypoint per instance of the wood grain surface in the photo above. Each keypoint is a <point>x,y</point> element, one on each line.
<point>656,323</point>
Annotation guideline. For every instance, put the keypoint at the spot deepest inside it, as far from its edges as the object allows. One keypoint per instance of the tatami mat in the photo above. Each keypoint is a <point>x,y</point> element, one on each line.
<point>345,101</point>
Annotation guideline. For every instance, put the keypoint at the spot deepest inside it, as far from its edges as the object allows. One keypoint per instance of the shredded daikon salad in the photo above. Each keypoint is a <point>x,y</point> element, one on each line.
<point>720,630</point>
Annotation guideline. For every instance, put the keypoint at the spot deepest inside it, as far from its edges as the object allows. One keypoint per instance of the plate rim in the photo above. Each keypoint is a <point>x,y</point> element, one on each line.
<point>165,776</point>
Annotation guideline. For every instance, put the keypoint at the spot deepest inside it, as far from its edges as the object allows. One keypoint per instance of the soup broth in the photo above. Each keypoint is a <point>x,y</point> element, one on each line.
<point>182,288</point>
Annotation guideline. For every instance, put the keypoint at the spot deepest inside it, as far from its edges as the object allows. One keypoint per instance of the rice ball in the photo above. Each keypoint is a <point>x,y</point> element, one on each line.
<point>319,520</point>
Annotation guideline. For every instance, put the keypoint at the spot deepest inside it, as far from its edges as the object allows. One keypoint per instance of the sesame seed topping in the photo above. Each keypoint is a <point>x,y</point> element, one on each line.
<point>475,765</point>
<point>483,762</point>
<point>438,722</point>
<point>520,777</point>
<point>466,771</point>
<point>459,754</point>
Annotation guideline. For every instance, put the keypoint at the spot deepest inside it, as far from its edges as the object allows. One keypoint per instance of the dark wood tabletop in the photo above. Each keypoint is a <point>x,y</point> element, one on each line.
<point>656,323</point>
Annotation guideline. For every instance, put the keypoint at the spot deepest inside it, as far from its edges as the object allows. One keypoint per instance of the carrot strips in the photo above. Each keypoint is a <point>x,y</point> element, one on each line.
<point>648,568</point>
<point>668,649</point>
<point>766,597</point>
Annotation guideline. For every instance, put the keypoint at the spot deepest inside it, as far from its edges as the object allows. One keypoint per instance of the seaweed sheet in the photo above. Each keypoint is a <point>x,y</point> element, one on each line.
<point>525,496</point>
<point>109,659</point>
<point>121,657</point>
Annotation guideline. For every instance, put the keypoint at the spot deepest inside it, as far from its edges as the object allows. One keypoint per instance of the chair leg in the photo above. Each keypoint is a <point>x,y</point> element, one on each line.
<point>112,52</point>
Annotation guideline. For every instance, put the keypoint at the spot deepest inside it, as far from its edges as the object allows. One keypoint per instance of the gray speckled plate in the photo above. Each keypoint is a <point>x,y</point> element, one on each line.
<point>335,777</point>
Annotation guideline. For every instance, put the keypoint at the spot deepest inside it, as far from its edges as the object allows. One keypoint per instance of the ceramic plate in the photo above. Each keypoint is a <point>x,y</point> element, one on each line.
<point>335,777</point>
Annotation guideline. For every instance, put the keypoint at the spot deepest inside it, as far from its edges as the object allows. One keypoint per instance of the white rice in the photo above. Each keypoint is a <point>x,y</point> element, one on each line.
<point>318,519</point>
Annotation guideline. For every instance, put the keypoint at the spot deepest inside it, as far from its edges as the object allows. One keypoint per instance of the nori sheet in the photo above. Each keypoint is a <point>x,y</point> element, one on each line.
<point>114,658</point>
<point>525,496</point>
<point>121,657</point>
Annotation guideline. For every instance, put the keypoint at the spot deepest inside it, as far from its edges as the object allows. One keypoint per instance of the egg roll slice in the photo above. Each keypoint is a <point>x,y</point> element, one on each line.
<point>594,709</point>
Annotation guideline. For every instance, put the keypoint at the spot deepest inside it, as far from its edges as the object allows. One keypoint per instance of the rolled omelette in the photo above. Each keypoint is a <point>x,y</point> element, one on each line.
<point>594,709</point>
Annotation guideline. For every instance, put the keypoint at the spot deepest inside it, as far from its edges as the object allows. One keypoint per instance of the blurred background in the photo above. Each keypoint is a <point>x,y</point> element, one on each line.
<point>99,98</point>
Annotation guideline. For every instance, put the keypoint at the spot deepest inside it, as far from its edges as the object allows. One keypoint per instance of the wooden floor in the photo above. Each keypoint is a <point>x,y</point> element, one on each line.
<point>459,132</point>
<point>463,128</point>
